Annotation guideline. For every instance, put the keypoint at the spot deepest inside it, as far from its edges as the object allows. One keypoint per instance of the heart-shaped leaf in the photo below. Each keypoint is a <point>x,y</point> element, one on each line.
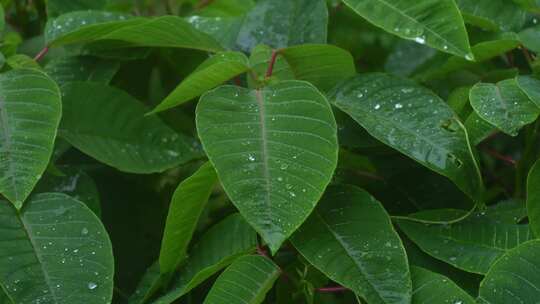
<point>30,110</point>
<point>274,150</point>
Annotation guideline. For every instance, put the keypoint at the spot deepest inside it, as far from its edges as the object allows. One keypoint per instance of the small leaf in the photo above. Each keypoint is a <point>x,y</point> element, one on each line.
<point>247,280</point>
<point>30,110</point>
<point>55,251</point>
<point>533,198</point>
<point>219,247</point>
<point>414,121</point>
<point>514,278</point>
<point>81,68</point>
<point>436,23</point>
<point>503,105</point>
<point>473,244</point>
<point>186,206</point>
<point>274,150</point>
<point>109,125</point>
<point>211,73</point>
<point>350,238</point>
<point>433,288</point>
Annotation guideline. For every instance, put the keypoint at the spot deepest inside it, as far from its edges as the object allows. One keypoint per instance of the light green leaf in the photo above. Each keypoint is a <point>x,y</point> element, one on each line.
<point>531,87</point>
<point>211,73</point>
<point>514,278</point>
<point>494,15</point>
<point>350,238</point>
<point>55,251</point>
<point>433,288</point>
<point>219,247</point>
<point>81,68</point>
<point>109,125</point>
<point>414,121</point>
<point>274,149</point>
<point>91,26</point>
<point>247,280</point>
<point>503,105</point>
<point>322,65</point>
<point>473,244</point>
<point>533,198</point>
<point>30,110</point>
<point>186,206</point>
<point>436,23</point>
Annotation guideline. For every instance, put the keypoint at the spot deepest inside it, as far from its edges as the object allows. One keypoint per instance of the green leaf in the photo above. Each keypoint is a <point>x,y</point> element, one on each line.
<point>30,110</point>
<point>414,121</point>
<point>322,65</point>
<point>478,129</point>
<point>259,60</point>
<point>503,105</point>
<point>270,22</point>
<point>109,125</point>
<point>211,73</point>
<point>533,198</point>
<point>149,284</point>
<point>247,280</point>
<point>531,87</point>
<point>514,278</point>
<point>2,19</point>
<point>274,149</point>
<point>59,7</point>
<point>55,251</point>
<point>436,23</point>
<point>473,244</point>
<point>91,26</point>
<point>433,288</point>
<point>350,238</point>
<point>494,15</point>
<point>186,206</point>
<point>222,29</point>
<point>81,68</point>
<point>530,38</point>
<point>219,247</point>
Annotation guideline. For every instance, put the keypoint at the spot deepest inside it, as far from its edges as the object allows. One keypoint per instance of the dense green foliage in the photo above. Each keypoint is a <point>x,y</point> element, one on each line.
<point>269,151</point>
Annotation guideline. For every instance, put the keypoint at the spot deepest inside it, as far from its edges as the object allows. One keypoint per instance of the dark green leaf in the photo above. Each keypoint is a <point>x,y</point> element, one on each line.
<point>495,15</point>
<point>533,198</point>
<point>433,288</point>
<point>81,68</point>
<point>59,7</point>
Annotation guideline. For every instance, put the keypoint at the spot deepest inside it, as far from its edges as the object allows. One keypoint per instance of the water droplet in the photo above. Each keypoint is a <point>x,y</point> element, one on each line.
<point>420,39</point>
<point>398,106</point>
<point>360,95</point>
<point>92,285</point>
<point>377,106</point>
<point>469,57</point>
<point>283,166</point>
<point>251,158</point>
<point>84,231</point>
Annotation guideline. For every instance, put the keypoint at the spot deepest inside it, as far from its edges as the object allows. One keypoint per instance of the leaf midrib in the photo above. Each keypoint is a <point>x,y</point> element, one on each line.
<point>7,136</point>
<point>259,94</point>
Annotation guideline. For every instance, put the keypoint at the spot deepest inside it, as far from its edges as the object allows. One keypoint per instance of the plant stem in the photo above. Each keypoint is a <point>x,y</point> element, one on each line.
<point>332,289</point>
<point>271,64</point>
<point>41,54</point>
<point>507,159</point>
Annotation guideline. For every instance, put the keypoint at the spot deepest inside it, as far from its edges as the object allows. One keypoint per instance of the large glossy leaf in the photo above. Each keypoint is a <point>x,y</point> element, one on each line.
<point>473,244</point>
<point>91,26</point>
<point>514,278</point>
<point>247,280</point>
<point>503,105</point>
<point>219,247</point>
<point>322,65</point>
<point>54,251</point>
<point>81,68</point>
<point>436,23</point>
<point>414,121</point>
<point>493,14</point>
<point>270,22</point>
<point>109,125</point>
<point>433,288</point>
<point>211,73</point>
<point>533,198</point>
<point>350,238</point>
<point>274,149</point>
<point>30,110</point>
<point>186,206</point>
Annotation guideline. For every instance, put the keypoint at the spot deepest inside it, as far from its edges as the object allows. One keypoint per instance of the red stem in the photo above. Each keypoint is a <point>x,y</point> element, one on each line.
<point>41,54</point>
<point>507,159</point>
<point>332,289</point>
<point>272,63</point>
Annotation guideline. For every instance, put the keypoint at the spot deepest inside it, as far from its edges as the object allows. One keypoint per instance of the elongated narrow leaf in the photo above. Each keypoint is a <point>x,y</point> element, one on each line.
<point>213,72</point>
<point>350,238</point>
<point>149,284</point>
<point>30,110</point>
<point>186,206</point>
<point>531,87</point>
<point>247,280</point>
<point>533,198</point>
<point>81,68</point>
<point>91,26</point>
<point>473,244</point>
<point>433,288</point>
<point>414,121</point>
<point>436,23</point>
<point>322,65</point>
<point>54,251</point>
<point>493,15</point>
<point>219,247</point>
<point>109,125</point>
<point>503,105</point>
<point>514,278</point>
<point>274,149</point>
